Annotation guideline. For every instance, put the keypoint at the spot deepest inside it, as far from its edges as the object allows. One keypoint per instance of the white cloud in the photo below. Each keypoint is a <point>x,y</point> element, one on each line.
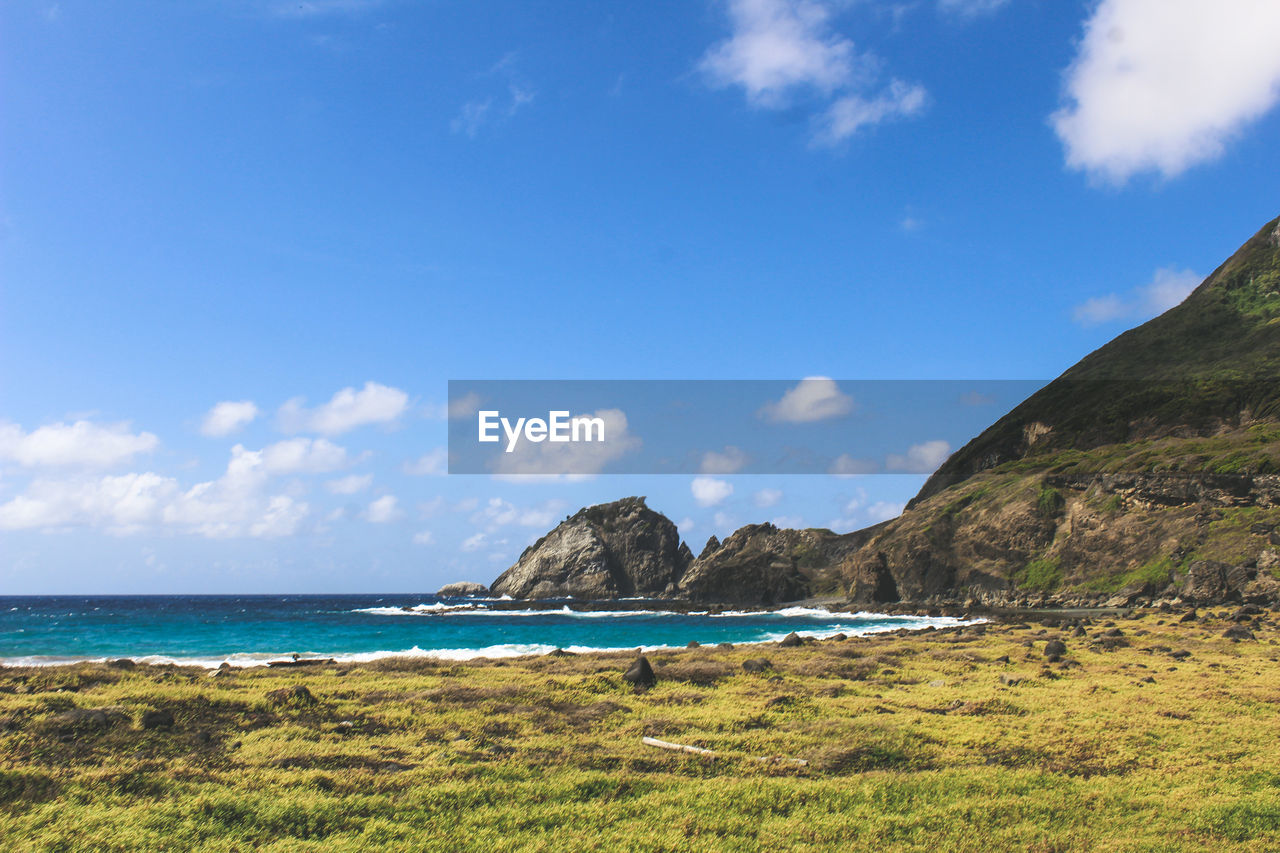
<point>474,543</point>
<point>1161,85</point>
<point>465,406</point>
<point>228,417</point>
<point>794,522</point>
<point>429,464</point>
<point>767,497</point>
<point>685,525</point>
<point>970,8</point>
<point>425,537</point>
<point>724,521</point>
<point>778,46</point>
<point>303,456</point>
<point>346,410</point>
<point>580,458</point>
<point>80,444</point>
<point>728,462</point>
<point>923,458</point>
<point>471,118</point>
<point>779,49</point>
<point>383,510</point>
<point>501,513</point>
<point>350,485</point>
<point>708,491</point>
<point>236,504</point>
<point>815,398</point>
<point>884,510</point>
<point>847,115</point>
<point>119,504</point>
<point>1167,288</point>
<point>845,465</point>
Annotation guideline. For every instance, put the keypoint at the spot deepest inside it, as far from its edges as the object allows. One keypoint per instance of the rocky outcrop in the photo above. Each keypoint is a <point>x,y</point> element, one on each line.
<point>763,564</point>
<point>461,589</point>
<point>606,551</point>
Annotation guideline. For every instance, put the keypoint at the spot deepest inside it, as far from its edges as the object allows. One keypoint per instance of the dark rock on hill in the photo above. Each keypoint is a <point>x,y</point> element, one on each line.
<point>763,564</point>
<point>1149,470</point>
<point>605,551</point>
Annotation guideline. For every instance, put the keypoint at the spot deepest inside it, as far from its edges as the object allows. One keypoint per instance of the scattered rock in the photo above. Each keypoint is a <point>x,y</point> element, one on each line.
<point>296,695</point>
<point>640,673</point>
<point>757,664</point>
<point>1189,616</point>
<point>1054,650</point>
<point>1008,679</point>
<point>1238,632</point>
<point>791,640</point>
<point>157,720</point>
<point>694,644</point>
<point>1001,659</point>
<point>1180,654</point>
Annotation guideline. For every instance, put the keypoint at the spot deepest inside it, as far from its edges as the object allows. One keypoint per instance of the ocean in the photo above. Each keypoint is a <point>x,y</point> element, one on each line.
<point>245,630</point>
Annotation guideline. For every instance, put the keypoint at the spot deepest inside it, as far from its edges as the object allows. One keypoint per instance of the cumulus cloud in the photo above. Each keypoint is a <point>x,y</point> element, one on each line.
<point>384,510</point>
<point>303,456</point>
<point>118,504</point>
<point>227,417</point>
<point>708,491</point>
<point>1167,288</point>
<point>474,543</point>
<point>350,485</point>
<point>923,458</point>
<point>236,504</point>
<point>779,50</point>
<point>1162,85</point>
<point>80,444</point>
<point>424,537</point>
<point>346,410</point>
<point>767,497</point>
<point>429,464</point>
<point>578,458</point>
<point>815,398</point>
<point>728,462</point>
<point>499,513</point>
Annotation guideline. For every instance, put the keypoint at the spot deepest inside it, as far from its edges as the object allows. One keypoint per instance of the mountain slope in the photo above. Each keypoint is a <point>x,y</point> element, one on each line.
<point>1153,453</point>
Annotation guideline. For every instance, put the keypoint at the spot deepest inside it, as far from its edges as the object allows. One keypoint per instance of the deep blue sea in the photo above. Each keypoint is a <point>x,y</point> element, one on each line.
<point>250,629</point>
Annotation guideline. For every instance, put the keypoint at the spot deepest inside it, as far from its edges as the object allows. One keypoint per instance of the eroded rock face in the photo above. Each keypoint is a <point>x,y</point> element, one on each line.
<point>762,564</point>
<point>462,588</point>
<point>605,551</point>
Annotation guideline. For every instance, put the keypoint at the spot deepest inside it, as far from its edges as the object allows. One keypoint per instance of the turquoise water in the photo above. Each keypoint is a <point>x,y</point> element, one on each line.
<point>248,629</point>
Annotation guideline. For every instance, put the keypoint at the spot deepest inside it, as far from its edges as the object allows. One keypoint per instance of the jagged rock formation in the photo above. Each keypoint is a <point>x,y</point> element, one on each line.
<point>1149,469</point>
<point>462,588</point>
<point>605,551</point>
<point>762,564</point>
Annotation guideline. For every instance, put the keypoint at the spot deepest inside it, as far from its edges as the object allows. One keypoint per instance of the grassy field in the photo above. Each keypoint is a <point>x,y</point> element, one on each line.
<point>947,740</point>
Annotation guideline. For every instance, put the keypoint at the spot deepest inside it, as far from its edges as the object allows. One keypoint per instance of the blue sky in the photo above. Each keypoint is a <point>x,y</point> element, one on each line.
<point>322,211</point>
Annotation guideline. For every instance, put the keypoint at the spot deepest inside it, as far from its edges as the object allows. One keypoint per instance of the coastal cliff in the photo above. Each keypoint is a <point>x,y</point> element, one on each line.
<point>606,551</point>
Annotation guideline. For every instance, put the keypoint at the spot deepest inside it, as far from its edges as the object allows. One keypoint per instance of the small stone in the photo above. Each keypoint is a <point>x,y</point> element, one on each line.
<point>757,664</point>
<point>791,640</point>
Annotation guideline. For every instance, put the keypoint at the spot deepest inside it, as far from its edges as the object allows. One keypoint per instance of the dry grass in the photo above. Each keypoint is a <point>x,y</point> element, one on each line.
<point>922,741</point>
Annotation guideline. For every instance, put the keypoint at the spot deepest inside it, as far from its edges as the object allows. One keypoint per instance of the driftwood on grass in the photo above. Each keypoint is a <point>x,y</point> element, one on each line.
<point>697,750</point>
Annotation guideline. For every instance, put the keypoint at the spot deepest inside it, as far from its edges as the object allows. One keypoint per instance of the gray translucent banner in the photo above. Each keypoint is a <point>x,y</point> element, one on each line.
<point>718,427</point>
